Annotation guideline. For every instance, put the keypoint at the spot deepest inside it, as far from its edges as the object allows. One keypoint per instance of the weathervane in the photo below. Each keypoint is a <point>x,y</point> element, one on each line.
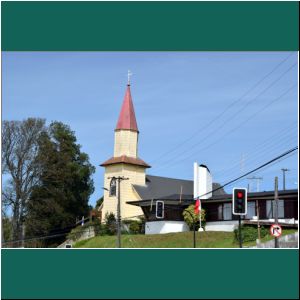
<point>128,75</point>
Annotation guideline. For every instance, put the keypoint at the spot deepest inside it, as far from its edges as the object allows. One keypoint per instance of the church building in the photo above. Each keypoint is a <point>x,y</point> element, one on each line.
<point>140,193</point>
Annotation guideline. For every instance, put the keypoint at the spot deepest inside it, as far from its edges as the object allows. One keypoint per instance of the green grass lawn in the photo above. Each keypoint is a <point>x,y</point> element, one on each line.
<point>170,240</point>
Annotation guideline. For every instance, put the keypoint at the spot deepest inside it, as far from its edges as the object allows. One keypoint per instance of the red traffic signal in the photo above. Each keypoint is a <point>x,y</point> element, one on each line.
<point>239,201</point>
<point>240,195</point>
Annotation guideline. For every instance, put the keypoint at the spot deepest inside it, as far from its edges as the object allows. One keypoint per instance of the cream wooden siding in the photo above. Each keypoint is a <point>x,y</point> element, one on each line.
<point>126,142</point>
<point>136,175</point>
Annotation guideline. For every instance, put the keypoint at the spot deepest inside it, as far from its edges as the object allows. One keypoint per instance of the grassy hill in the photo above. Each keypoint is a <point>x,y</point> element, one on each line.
<point>170,240</point>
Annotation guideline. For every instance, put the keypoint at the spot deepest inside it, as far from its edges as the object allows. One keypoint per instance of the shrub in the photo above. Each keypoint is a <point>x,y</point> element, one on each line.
<point>190,217</point>
<point>110,224</point>
<point>249,233</point>
<point>135,227</point>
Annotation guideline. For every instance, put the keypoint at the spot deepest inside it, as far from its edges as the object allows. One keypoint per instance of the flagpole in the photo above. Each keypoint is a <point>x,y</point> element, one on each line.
<point>200,214</point>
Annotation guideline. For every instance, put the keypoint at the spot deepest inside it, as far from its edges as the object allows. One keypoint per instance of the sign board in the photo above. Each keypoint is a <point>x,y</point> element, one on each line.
<point>276,230</point>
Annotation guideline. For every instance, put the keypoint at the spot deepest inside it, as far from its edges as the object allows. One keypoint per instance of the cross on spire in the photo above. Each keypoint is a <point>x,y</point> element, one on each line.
<point>128,76</point>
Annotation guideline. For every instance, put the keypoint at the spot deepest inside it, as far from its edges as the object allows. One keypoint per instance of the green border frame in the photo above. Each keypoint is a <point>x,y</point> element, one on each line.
<point>150,26</point>
<point>149,274</point>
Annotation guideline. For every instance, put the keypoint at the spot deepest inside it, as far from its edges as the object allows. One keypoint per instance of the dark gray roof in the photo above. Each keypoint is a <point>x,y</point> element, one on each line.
<point>160,187</point>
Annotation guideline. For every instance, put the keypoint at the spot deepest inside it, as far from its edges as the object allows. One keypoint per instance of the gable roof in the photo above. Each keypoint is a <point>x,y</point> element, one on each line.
<point>158,187</point>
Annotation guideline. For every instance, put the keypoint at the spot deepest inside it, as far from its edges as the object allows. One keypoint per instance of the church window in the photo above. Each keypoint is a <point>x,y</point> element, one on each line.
<point>113,187</point>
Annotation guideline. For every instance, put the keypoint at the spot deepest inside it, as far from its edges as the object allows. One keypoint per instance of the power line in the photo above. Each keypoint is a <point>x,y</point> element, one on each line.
<point>252,171</point>
<point>229,132</point>
<point>260,146</point>
<point>225,110</point>
<point>290,151</point>
<point>258,155</point>
<point>261,171</point>
<point>228,120</point>
<point>61,233</point>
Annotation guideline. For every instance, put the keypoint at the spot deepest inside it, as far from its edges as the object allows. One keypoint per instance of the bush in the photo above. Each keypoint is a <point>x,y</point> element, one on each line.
<point>135,227</point>
<point>190,217</point>
<point>249,233</point>
<point>99,230</point>
<point>110,224</point>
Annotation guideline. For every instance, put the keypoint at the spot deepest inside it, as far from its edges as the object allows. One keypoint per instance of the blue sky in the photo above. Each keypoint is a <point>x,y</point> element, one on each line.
<point>183,103</point>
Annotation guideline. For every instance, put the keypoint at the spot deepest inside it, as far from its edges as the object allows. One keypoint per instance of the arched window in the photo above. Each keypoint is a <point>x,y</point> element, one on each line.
<point>113,187</point>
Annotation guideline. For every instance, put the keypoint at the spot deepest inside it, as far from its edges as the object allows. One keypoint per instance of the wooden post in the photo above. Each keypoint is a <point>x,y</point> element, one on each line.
<point>276,208</point>
<point>258,225</point>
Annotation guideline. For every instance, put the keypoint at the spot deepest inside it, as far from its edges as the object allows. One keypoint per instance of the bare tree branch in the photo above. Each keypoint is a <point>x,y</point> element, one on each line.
<point>19,153</point>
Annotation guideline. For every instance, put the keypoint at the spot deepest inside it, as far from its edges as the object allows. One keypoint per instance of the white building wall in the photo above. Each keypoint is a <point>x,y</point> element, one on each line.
<point>202,182</point>
<point>221,226</point>
<point>157,227</point>
<point>205,183</point>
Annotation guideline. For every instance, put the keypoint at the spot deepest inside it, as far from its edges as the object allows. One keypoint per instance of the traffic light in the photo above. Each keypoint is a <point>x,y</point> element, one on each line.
<point>160,209</point>
<point>239,201</point>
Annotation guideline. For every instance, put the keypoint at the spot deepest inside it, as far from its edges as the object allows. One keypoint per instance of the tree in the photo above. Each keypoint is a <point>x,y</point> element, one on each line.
<point>65,184</point>
<point>6,226</point>
<point>190,217</point>
<point>19,152</point>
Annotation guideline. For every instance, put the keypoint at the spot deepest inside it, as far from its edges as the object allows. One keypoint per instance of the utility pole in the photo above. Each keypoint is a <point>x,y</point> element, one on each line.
<point>258,225</point>
<point>276,208</point>
<point>283,177</point>
<point>119,179</point>
<point>257,181</point>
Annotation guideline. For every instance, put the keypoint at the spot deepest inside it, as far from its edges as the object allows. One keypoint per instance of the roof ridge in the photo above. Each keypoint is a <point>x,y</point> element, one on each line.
<point>170,178</point>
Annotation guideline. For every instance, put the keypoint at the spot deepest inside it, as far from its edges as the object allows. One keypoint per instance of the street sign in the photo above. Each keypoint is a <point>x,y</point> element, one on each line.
<point>276,230</point>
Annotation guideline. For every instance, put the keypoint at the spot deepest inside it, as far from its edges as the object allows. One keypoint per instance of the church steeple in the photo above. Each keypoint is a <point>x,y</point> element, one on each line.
<point>125,162</point>
<point>127,118</point>
<point>126,135</point>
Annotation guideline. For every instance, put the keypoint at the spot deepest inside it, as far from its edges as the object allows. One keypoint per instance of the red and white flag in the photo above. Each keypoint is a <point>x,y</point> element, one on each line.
<point>197,206</point>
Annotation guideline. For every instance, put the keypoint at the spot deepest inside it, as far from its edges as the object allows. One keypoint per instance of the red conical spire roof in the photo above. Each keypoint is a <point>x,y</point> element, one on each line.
<point>127,116</point>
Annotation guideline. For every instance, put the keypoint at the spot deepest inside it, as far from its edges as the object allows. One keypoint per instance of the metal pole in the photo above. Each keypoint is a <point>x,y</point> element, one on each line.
<point>194,234</point>
<point>119,214</point>
<point>194,228</point>
<point>200,214</point>
<point>258,225</point>
<point>276,208</point>
<point>283,171</point>
<point>240,232</point>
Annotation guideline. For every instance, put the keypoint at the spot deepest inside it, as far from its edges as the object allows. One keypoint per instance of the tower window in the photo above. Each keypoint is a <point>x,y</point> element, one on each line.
<point>113,187</point>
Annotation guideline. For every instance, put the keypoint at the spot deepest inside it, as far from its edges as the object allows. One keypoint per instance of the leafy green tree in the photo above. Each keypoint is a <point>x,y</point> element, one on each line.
<point>190,217</point>
<point>64,187</point>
